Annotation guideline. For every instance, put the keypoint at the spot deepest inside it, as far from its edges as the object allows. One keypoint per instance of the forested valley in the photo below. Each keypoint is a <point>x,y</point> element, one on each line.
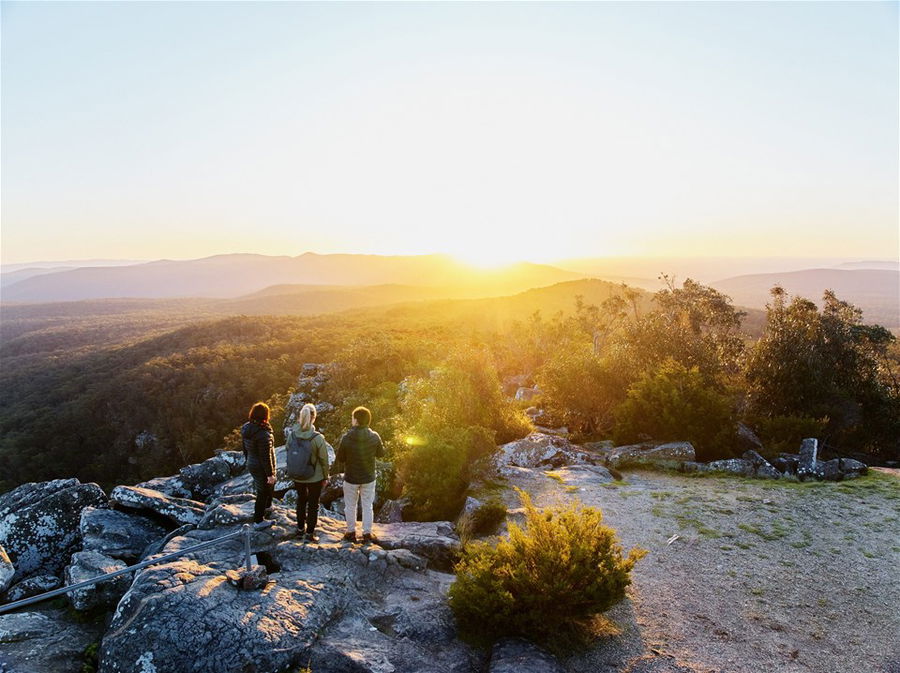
<point>118,397</point>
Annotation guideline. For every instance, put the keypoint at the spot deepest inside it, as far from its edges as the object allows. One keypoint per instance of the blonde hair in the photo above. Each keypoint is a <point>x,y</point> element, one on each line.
<point>307,416</point>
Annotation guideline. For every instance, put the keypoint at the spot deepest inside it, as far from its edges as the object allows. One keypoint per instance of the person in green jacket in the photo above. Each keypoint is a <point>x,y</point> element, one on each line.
<point>309,490</point>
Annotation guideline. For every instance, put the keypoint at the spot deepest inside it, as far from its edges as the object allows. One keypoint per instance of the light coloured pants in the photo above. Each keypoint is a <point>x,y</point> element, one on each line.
<point>352,493</point>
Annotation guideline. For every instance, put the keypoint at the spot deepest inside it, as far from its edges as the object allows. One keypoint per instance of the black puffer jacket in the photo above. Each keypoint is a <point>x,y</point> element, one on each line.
<point>358,449</point>
<point>259,448</point>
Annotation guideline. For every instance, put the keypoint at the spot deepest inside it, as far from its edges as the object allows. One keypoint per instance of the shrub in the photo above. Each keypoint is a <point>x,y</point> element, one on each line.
<point>483,521</point>
<point>785,433</point>
<point>676,403</point>
<point>435,474</point>
<point>579,390</point>
<point>546,582</point>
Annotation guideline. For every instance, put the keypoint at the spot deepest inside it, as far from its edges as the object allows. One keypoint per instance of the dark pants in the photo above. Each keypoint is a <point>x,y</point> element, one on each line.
<point>308,504</point>
<point>263,497</point>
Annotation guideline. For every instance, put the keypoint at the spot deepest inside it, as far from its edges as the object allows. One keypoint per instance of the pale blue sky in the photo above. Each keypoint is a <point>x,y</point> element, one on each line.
<point>502,130</point>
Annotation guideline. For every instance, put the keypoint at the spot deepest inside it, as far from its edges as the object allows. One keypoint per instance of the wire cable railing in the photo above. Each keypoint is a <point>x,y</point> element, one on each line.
<point>244,531</point>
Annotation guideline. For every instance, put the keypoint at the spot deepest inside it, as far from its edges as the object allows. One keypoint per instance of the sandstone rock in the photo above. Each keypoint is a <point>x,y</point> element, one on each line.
<point>117,534</point>
<point>44,642</point>
<point>324,408</point>
<point>539,450</point>
<point>514,655</point>
<point>838,469</point>
<point>762,468</point>
<point>733,466</point>
<point>392,511</point>
<point>807,466</point>
<point>156,547</point>
<point>786,463</point>
<point>433,540</point>
<point>202,478</point>
<point>229,510</point>
<point>670,455</point>
<point>309,369</point>
<point>7,570</point>
<point>33,586</point>
<point>178,510</point>
<point>235,486</point>
<point>512,383</point>
<point>584,476</point>
<point>332,606</point>
<point>88,564</point>
<point>39,524</point>
<point>171,486</point>
<point>524,394</point>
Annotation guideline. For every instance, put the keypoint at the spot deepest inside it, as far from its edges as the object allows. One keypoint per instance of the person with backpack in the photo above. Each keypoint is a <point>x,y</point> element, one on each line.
<point>308,465</point>
<point>259,456</point>
<point>357,451</point>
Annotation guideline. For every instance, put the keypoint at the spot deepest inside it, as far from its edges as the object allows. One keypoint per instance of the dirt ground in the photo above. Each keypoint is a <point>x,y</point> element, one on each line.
<point>762,576</point>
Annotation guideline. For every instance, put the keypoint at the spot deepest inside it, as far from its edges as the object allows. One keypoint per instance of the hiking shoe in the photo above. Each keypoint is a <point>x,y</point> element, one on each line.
<point>368,537</point>
<point>312,537</point>
<point>350,536</point>
<point>262,525</point>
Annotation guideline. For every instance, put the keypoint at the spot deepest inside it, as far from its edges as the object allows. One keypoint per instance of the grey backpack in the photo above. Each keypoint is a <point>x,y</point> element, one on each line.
<point>300,457</point>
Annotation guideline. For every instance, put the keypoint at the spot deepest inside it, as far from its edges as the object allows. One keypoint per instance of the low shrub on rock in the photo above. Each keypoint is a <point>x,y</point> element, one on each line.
<point>484,520</point>
<point>546,582</point>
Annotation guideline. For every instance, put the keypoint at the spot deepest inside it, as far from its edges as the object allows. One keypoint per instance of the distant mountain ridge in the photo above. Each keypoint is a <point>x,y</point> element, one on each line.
<point>226,276</point>
<point>875,291</point>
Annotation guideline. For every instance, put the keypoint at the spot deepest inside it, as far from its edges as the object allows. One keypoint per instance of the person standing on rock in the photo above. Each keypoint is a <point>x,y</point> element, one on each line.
<point>357,451</point>
<point>310,489</point>
<point>259,457</point>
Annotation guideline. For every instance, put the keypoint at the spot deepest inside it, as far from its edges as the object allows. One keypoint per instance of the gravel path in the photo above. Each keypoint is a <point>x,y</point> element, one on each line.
<point>763,576</point>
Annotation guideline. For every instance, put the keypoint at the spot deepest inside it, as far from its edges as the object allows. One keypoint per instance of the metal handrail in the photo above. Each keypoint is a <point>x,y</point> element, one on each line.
<point>245,531</point>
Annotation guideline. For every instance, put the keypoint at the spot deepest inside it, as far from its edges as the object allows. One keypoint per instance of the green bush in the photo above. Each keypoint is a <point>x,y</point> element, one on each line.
<point>677,403</point>
<point>785,433</point>
<point>546,582</point>
<point>435,475</point>
<point>483,521</point>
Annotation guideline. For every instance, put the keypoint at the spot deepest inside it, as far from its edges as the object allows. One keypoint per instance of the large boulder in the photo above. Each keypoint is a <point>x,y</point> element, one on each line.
<point>539,450</point>
<point>117,534</point>
<point>806,469</point>
<point>332,606</point>
<point>838,469</point>
<point>668,455</point>
<point>33,586</point>
<point>761,467</point>
<point>433,540</point>
<point>39,524</point>
<point>229,510</point>
<point>7,570</point>
<point>178,510</point>
<point>89,564</point>
<point>171,486</point>
<point>201,479</point>
<point>514,655</point>
<point>44,642</point>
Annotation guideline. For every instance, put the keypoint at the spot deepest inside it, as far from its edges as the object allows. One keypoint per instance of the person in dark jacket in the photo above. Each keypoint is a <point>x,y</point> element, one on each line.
<point>357,451</point>
<point>259,454</point>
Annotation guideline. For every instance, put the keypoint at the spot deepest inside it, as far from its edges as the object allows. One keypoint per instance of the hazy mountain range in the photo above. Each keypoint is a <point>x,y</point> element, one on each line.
<point>313,283</point>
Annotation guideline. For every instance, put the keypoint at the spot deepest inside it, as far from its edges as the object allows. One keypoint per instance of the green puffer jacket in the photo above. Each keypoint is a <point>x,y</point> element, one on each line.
<point>320,452</point>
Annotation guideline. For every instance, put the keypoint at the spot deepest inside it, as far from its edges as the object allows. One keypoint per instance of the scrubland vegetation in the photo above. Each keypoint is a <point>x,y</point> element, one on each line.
<point>619,364</point>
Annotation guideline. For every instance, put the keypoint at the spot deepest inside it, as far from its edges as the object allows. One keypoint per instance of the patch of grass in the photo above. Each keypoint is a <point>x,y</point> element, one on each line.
<point>661,495</point>
<point>776,531</point>
<point>757,591</point>
<point>869,554</point>
<point>658,510</point>
<point>802,544</point>
<point>555,476</point>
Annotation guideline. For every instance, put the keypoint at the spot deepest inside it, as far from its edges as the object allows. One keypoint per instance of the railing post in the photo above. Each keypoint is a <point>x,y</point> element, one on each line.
<point>247,547</point>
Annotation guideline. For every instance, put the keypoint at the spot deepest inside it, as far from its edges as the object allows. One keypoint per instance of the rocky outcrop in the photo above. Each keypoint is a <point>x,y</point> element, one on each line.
<point>312,379</point>
<point>807,464</point>
<point>433,540</point>
<point>177,510</point>
<point>201,479</point>
<point>392,511</point>
<point>44,642</point>
<point>333,606</point>
<point>228,510</point>
<point>838,469</point>
<point>117,534</point>
<point>524,394</point>
<point>539,450</point>
<point>668,455</point>
<point>32,587</point>
<point>87,565</point>
<point>39,524</point>
<point>7,570</point>
<point>514,655</point>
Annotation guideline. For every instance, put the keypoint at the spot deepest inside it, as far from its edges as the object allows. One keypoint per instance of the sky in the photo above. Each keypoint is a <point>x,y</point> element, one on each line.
<point>492,131</point>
